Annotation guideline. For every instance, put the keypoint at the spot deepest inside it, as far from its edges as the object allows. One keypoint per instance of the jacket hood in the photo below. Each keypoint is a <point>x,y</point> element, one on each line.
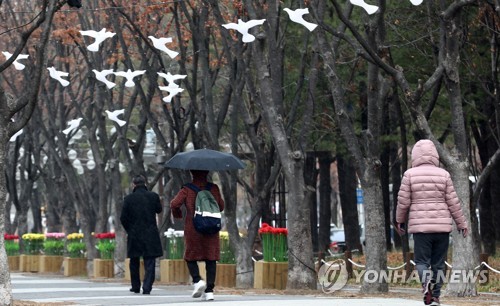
<point>424,152</point>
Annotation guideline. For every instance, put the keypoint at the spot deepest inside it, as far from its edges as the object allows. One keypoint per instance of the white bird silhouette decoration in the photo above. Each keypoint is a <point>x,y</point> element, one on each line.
<point>114,116</point>
<point>99,37</point>
<point>14,137</point>
<point>171,78</point>
<point>159,43</point>
<point>172,90</point>
<point>73,125</point>
<point>297,16</point>
<point>416,2</point>
<point>101,76</point>
<point>370,9</point>
<point>130,75</point>
<point>57,75</point>
<point>17,65</point>
<point>243,28</point>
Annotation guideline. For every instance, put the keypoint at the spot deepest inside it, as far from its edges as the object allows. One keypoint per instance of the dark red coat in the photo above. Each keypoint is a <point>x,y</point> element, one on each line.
<point>197,246</point>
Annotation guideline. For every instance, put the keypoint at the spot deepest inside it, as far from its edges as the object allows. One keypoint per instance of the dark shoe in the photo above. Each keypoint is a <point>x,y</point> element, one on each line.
<point>146,292</point>
<point>427,289</point>
<point>135,290</point>
<point>435,301</point>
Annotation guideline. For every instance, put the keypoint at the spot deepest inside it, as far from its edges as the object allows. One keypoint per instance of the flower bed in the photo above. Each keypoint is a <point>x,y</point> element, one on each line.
<point>175,244</point>
<point>105,244</point>
<point>274,243</point>
<point>226,254</point>
<point>75,247</point>
<point>33,243</point>
<point>11,244</point>
<point>54,244</point>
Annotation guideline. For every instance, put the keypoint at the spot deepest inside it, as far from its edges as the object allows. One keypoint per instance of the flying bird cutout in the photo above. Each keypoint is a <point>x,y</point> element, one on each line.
<point>370,9</point>
<point>130,75</point>
<point>171,78</point>
<point>14,137</point>
<point>297,16</point>
<point>99,37</point>
<point>17,65</point>
<point>101,76</point>
<point>57,75</point>
<point>243,28</point>
<point>114,116</point>
<point>173,90</point>
<point>73,125</point>
<point>159,43</point>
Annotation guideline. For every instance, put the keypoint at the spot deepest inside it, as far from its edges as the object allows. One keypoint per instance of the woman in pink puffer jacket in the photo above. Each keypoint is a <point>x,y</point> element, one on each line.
<point>428,197</point>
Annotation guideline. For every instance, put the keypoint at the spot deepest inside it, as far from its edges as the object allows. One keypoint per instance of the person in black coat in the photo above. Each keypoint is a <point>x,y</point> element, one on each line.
<point>138,218</point>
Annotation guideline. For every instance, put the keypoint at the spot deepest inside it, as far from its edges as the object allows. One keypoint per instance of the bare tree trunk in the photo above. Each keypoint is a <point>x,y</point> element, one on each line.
<point>301,273</point>
<point>495,207</point>
<point>347,189</point>
<point>366,149</point>
<point>9,108</point>
<point>325,200</point>
<point>5,286</point>
<point>465,251</point>
<point>385,159</point>
<point>310,179</point>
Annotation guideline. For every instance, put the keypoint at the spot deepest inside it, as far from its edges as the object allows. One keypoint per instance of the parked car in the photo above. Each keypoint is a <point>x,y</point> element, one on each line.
<point>337,240</point>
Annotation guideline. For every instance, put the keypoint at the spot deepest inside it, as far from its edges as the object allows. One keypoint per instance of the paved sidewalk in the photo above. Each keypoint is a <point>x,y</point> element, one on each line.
<point>82,291</point>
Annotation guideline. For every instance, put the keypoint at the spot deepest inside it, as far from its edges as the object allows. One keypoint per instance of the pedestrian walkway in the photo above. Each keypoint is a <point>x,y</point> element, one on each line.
<point>82,291</point>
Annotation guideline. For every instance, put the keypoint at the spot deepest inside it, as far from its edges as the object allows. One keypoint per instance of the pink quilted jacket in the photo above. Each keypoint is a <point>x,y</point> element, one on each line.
<point>427,192</point>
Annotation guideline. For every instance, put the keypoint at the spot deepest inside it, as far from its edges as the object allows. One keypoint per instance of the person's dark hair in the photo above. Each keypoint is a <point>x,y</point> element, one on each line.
<point>139,180</point>
<point>75,3</point>
<point>199,172</point>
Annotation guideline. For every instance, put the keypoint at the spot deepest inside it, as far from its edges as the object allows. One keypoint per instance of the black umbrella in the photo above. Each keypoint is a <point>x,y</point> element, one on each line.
<point>205,159</point>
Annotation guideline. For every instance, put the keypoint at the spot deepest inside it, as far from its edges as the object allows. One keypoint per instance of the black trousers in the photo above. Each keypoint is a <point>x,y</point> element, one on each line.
<point>430,254</point>
<point>149,273</point>
<point>211,267</point>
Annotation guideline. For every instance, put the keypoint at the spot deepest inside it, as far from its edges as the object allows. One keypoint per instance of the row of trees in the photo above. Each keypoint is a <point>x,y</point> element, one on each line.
<point>360,87</point>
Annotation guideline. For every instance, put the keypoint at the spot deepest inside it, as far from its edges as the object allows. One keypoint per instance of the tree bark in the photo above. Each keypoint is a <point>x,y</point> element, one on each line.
<point>348,201</point>
<point>310,179</point>
<point>465,251</point>
<point>8,108</point>
<point>325,200</point>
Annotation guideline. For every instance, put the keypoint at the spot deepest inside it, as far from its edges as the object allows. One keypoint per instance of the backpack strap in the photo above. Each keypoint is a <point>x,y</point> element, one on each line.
<point>196,188</point>
<point>193,187</point>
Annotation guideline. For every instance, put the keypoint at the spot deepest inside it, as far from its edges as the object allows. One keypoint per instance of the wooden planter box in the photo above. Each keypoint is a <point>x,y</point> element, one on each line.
<point>127,269</point>
<point>50,263</point>
<point>174,271</point>
<point>270,275</point>
<point>104,268</point>
<point>75,266</point>
<point>13,263</point>
<point>29,263</point>
<point>225,276</point>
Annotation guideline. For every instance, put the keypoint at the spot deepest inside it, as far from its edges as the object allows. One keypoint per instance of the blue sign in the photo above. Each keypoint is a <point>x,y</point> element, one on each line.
<point>359,196</point>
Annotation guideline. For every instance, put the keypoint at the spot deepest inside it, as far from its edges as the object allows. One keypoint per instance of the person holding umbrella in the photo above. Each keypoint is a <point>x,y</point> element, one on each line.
<point>198,246</point>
